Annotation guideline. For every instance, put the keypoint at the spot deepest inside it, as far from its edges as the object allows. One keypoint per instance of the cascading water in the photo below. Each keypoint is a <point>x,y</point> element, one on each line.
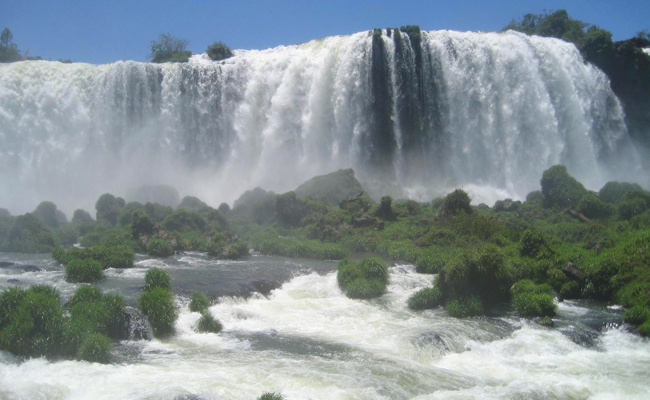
<point>441,110</point>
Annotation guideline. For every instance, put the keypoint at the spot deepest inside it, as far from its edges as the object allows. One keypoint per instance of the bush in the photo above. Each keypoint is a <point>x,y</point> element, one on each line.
<point>108,257</point>
<point>29,235</point>
<point>208,323</point>
<point>644,329</point>
<point>432,261</point>
<point>630,208</point>
<point>636,315</point>
<point>533,244</point>
<point>157,278</point>
<point>158,307</point>
<point>108,208</point>
<point>570,290</point>
<point>83,271</point>
<point>169,49</point>
<point>613,192</point>
<point>271,396</point>
<point>268,243</point>
<point>32,321</point>
<point>183,220</point>
<point>469,306</point>
<point>531,300</point>
<point>85,293</point>
<point>49,215</point>
<point>199,303</point>
<point>365,280</point>
<point>219,51</point>
<point>561,189</point>
<point>592,207</point>
<point>425,299</point>
<point>159,248</point>
<point>364,289</point>
<point>457,202</point>
<point>95,347</point>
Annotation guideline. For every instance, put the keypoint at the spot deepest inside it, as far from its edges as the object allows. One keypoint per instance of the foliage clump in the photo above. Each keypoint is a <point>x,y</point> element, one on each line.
<point>169,49</point>
<point>33,323</point>
<point>455,203</point>
<point>199,303</point>
<point>219,51</point>
<point>592,207</point>
<point>157,302</point>
<point>83,271</point>
<point>425,299</point>
<point>365,280</point>
<point>159,248</point>
<point>531,300</point>
<point>385,209</point>
<point>561,190</point>
<point>469,306</point>
<point>208,323</point>
<point>29,235</point>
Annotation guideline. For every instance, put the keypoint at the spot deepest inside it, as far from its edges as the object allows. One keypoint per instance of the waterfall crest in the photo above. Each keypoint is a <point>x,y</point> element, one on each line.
<point>445,110</point>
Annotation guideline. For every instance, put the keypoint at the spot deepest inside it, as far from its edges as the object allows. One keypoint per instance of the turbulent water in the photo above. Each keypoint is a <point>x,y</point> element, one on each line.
<point>308,341</point>
<point>481,110</point>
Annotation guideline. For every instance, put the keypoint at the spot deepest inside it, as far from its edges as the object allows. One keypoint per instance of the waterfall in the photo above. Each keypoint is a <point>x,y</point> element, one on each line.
<point>439,111</point>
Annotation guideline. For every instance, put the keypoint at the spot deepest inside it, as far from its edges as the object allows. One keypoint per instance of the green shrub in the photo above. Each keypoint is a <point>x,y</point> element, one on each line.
<point>644,329</point>
<point>85,293</point>
<point>636,315</point>
<point>159,248</point>
<point>531,300</point>
<point>365,280</point>
<point>432,261</point>
<point>108,208</point>
<point>49,215</point>
<point>29,235</point>
<point>570,290</point>
<point>268,243</point>
<point>169,49</point>
<point>465,307</point>
<point>156,277</point>
<point>83,271</point>
<point>533,244</point>
<point>92,313</point>
<point>613,191</point>
<point>364,289</point>
<point>561,189</point>
<point>183,220</point>
<point>271,396</point>
<point>117,318</point>
<point>630,208</point>
<point>374,268</point>
<point>199,303</point>
<point>207,323</point>
<point>32,321</point>
<point>108,257</point>
<point>218,51</point>
<point>95,347</point>
<point>592,207</point>
<point>455,203</point>
<point>425,299</point>
<point>158,307</point>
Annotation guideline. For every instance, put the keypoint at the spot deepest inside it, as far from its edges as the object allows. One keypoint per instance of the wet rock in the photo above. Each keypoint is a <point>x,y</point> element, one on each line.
<point>572,271</point>
<point>4,264</point>
<point>30,268</point>
<point>14,281</point>
<point>265,287</point>
<point>190,397</point>
<point>137,327</point>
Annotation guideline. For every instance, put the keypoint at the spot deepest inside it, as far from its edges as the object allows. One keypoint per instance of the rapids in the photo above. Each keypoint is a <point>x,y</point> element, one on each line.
<point>489,111</point>
<point>306,340</point>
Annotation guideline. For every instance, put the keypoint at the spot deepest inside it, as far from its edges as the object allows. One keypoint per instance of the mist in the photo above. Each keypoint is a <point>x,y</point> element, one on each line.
<point>484,111</point>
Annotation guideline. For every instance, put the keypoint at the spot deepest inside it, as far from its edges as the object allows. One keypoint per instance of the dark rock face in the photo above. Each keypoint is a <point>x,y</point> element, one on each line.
<point>137,327</point>
<point>572,271</point>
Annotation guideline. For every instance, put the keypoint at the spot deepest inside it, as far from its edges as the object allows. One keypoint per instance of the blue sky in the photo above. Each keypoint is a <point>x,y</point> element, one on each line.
<point>99,31</point>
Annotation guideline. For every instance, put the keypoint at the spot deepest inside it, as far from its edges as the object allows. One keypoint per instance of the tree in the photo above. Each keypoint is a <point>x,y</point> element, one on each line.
<point>169,49</point>
<point>219,51</point>
<point>8,50</point>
